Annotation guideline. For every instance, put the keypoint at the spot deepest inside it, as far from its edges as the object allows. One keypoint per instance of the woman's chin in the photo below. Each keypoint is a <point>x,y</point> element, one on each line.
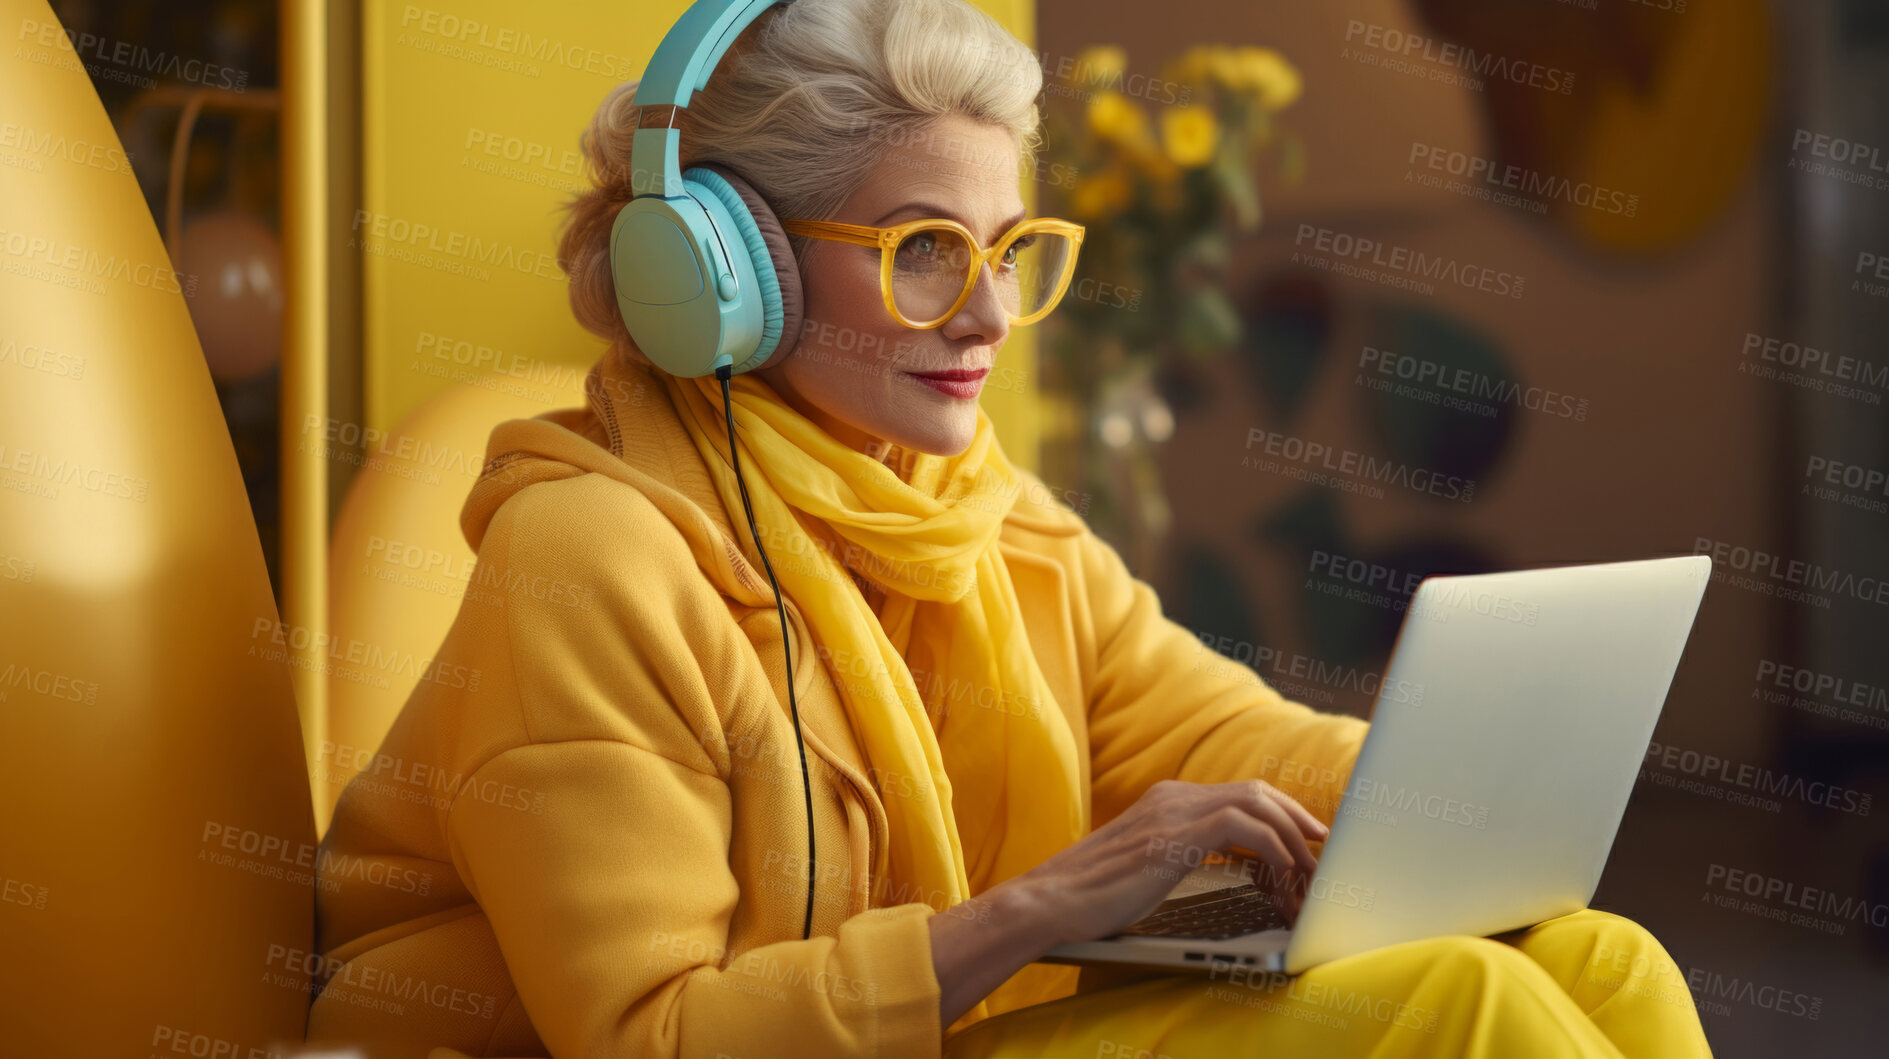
<point>937,440</point>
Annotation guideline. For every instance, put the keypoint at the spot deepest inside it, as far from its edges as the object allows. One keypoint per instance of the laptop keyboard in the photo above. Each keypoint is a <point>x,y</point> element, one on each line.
<point>1228,913</point>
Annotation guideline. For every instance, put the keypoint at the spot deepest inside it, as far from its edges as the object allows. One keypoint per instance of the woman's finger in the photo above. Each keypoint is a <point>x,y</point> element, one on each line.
<point>1280,818</point>
<point>1309,825</point>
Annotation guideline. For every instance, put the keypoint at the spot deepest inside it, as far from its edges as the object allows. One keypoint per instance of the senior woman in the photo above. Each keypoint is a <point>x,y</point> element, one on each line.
<point>599,847</point>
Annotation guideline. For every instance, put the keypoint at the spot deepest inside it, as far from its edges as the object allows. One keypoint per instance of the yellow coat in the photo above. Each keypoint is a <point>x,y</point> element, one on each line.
<point>585,832</point>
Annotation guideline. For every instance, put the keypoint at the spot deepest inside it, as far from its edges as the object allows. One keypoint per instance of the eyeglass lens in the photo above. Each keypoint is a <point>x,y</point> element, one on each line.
<point>931,266</point>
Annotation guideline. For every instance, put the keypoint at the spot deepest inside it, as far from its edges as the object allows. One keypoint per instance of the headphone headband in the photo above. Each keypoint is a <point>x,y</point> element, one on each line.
<point>681,66</point>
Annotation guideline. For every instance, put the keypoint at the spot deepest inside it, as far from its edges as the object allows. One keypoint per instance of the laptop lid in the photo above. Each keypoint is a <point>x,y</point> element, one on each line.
<point>1490,801</point>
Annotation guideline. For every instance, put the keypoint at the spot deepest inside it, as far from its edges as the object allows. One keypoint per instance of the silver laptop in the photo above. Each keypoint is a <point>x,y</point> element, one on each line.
<point>1491,783</point>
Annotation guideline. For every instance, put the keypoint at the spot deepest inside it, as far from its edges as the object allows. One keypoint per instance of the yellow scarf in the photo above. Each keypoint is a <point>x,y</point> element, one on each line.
<point>974,760</point>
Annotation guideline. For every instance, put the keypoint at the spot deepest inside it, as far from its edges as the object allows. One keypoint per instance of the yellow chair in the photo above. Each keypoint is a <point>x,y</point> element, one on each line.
<point>157,844</point>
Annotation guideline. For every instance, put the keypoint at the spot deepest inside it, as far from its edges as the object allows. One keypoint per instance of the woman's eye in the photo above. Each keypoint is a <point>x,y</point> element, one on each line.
<point>1022,244</point>
<point>919,247</point>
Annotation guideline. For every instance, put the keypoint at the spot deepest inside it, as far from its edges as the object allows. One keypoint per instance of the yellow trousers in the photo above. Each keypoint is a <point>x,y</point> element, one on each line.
<point>1590,984</point>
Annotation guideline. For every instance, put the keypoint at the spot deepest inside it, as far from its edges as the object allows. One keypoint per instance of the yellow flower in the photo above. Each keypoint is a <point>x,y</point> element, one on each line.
<point>1190,134</point>
<point>1100,65</point>
<point>1115,117</point>
<point>1272,80</point>
<point>1224,66</point>
<point>1263,74</point>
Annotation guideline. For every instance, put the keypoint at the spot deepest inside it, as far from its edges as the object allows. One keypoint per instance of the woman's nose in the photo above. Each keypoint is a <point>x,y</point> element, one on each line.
<point>983,316</point>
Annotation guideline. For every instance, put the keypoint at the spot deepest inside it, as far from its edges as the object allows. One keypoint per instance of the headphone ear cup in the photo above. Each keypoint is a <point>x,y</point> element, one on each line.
<point>780,258</point>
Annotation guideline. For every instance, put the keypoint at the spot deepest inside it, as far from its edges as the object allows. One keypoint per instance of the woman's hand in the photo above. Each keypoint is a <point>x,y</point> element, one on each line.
<point>1122,870</point>
<point>1118,873</point>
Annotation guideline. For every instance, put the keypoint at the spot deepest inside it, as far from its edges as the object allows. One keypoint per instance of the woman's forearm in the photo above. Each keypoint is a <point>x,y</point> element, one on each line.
<point>978,944</point>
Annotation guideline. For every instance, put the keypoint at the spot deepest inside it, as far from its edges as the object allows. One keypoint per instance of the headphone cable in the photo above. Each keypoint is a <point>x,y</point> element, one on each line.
<point>723,373</point>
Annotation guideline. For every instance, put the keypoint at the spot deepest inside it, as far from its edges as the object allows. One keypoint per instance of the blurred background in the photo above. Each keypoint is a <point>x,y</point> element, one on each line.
<point>1372,290</point>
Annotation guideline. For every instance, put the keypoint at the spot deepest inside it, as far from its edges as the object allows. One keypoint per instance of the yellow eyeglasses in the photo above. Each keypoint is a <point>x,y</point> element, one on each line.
<point>928,268</point>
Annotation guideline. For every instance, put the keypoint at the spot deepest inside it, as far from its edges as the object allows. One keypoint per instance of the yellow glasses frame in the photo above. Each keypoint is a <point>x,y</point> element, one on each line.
<point>888,240</point>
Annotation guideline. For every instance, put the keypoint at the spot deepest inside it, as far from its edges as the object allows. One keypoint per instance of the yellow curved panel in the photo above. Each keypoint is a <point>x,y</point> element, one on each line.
<point>157,843</point>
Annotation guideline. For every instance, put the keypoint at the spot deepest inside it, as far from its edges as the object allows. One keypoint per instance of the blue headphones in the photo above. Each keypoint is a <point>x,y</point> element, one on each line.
<point>703,271</point>
<point>705,278</point>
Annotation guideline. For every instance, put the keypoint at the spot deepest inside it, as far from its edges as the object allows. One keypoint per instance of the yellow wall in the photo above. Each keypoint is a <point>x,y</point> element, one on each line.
<point>458,244</point>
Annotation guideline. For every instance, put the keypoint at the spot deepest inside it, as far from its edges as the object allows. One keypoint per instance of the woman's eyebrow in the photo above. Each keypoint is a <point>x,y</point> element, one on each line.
<point>931,210</point>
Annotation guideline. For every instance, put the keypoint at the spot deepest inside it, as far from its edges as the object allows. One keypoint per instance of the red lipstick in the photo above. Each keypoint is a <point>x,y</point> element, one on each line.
<point>958,382</point>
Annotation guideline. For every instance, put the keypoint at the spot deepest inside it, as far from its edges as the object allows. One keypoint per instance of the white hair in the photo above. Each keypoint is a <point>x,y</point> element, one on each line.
<point>805,104</point>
